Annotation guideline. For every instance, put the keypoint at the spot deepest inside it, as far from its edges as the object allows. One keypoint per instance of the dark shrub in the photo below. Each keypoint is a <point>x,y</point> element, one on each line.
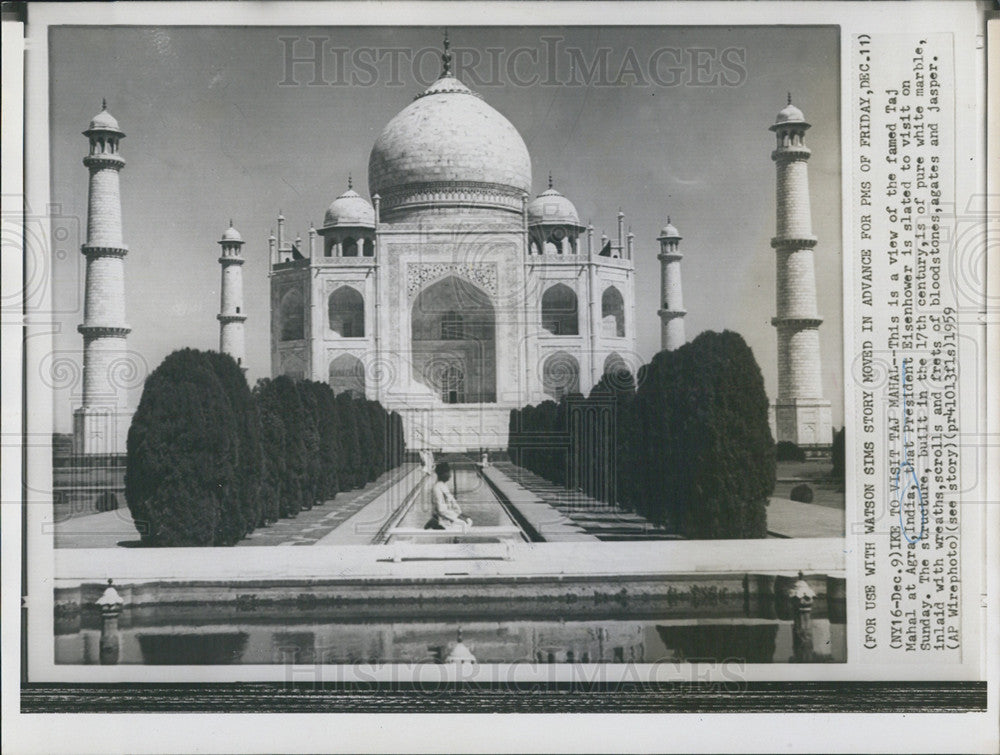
<point>802,493</point>
<point>785,450</point>
<point>106,501</point>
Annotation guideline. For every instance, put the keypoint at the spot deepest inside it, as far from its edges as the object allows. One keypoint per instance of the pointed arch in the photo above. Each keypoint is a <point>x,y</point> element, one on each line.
<point>347,375</point>
<point>612,313</point>
<point>560,375</point>
<point>614,364</point>
<point>453,334</point>
<point>291,315</point>
<point>346,312</point>
<point>559,310</point>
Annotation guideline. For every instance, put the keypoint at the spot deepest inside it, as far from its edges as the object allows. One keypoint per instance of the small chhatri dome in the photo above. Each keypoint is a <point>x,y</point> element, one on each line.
<point>789,113</point>
<point>552,208</point>
<point>448,139</point>
<point>231,234</point>
<point>350,209</point>
<point>104,121</point>
<point>669,231</point>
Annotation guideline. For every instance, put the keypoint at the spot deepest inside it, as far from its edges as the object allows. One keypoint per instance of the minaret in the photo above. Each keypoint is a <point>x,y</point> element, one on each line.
<point>231,317</point>
<point>671,298</point>
<point>100,426</point>
<point>802,415</point>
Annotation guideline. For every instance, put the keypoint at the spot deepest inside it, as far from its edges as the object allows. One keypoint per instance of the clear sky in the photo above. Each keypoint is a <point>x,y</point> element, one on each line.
<point>672,122</point>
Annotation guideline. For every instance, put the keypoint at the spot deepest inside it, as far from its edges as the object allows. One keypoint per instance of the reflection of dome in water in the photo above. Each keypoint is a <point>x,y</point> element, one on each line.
<point>460,653</point>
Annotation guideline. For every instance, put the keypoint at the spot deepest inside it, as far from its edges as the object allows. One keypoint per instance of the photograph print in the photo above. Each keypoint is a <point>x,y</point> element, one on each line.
<point>501,344</point>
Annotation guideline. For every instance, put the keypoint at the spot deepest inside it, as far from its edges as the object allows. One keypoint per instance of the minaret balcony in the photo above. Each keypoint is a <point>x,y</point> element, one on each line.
<point>105,160</point>
<point>104,331</point>
<point>793,242</point>
<point>791,152</point>
<point>230,318</point>
<point>799,323</point>
<point>93,251</point>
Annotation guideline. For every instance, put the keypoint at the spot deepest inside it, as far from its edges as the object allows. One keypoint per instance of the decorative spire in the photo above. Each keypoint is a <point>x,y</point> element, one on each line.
<point>230,222</point>
<point>668,220</point>
<point>789,98</point>
<point>550,179</point>
<point>104,103</point>
<point>446,57</point>
<point>350,181</point>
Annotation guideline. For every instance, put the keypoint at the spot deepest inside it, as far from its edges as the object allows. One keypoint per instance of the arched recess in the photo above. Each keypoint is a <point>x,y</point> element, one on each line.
<point>346,312</point>
<point>453,332</point>
<point>349,247</point>
<point>292,316</point>
<point>614,364</point>
<point>347,374</point>
<point>559,311</point>
<point>560,375</point>
<point>612,313</point>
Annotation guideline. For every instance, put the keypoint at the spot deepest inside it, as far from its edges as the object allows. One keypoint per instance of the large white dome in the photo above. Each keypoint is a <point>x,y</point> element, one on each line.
<point>449,147</point>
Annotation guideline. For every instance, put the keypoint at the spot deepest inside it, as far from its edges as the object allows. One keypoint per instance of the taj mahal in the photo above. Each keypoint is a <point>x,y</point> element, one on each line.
<point>453,295</point>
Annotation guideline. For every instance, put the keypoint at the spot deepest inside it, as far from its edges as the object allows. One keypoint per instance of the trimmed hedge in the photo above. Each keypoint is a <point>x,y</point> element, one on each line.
<point>209,461</point>
<point>785,450</point>
<point>690,449</point>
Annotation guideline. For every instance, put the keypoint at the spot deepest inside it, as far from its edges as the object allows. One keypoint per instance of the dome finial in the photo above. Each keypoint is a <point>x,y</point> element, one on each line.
<point>550,179</point>
<point>350,180</point>
<point>446,57</point>
<point>104,103</point>
<point>230,222</point>
<point>789,98</point>
<point>668,220</point>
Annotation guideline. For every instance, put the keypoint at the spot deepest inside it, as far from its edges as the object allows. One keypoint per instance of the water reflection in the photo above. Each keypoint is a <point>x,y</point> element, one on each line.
<point>640,641</point>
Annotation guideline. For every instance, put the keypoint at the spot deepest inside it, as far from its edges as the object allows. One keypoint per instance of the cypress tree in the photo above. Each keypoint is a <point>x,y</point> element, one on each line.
<point>242,512</point>
<point>377,418</point>
<point>289,409</point>
<point>366,440</point>
<point>397,441</point>
<point>329,440</point>
<point>182,454</point>
<point>312,462</point>
<point>352,472</point>
<point>838,454</point>
<point>718,454</point>
<point>272,434</point>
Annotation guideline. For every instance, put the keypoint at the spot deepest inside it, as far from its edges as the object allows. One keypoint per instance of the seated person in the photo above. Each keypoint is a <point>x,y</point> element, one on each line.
<point>447,513</point>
